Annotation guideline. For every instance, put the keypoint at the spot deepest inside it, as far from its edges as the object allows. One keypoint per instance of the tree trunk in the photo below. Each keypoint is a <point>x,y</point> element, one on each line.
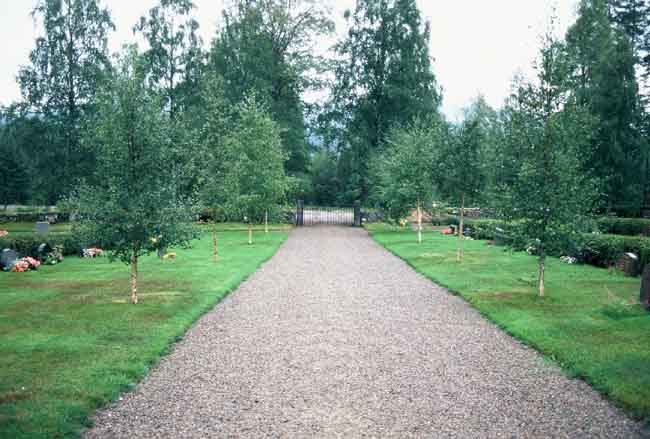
<point>215,249</point>
<point>542,268</point>
<point>266,222</point>
<point>461,228</point>
<point>419,222</point>
<point>250,234</point>
<point>134,279</point>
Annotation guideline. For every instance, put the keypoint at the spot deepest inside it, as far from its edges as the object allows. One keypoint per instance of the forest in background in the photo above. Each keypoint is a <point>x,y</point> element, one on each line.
<point>380,88</point>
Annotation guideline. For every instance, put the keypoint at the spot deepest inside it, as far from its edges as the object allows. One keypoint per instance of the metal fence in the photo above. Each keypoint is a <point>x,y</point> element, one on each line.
<point>336,216</point>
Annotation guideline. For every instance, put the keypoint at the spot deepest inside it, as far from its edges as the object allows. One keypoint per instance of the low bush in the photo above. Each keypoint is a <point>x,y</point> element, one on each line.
<point>32,217</point>
<point>624,226</point>
<point>605,250</point>
<point>25,245</point>
<point>602,250</point>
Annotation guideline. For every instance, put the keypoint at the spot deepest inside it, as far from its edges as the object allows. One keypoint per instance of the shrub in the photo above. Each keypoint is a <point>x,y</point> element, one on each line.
<point>605,250</point>
<point>25,245</point>
<point>602,250</point>
<point>624,226</point>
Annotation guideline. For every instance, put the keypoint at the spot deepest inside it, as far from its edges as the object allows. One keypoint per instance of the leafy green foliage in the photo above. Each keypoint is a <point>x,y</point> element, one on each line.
<point>174,59</point>
<point>624,226</point>
<point>383,81</point>
<point>267,47</point>
<point>405,171</point>
<point>25,244</point>
<point>212,157</point>
<point>68,64</point>
<point>254,180</point>
<point>602,77</point>
<point>14,180</point>
<point>550,193</point>
<point>134,207</point>
<point>462,162</point>
<point>324,179</point>
<point>606,250</point>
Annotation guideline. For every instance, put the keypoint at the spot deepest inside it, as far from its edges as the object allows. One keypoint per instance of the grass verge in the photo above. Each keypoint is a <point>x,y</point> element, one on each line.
<point>70,342</point>
<point>590,322</point>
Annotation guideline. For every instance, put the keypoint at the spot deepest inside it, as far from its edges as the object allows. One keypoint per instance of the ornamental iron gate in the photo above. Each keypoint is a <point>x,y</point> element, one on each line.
<point>336,216</point>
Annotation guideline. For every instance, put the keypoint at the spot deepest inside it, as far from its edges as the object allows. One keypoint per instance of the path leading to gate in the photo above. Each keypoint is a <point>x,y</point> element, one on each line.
<point>335,337</point>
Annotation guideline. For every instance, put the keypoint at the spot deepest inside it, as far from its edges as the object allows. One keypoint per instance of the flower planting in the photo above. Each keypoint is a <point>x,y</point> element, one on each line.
<point>92,252</point>
<point>25,264</point>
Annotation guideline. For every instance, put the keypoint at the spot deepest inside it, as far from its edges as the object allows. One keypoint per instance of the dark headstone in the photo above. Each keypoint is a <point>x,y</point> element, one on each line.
<point>41,251</point>
<point>7,258</point>
<point>629,264</point>
<point>42,227</point>
<point>644,296</point>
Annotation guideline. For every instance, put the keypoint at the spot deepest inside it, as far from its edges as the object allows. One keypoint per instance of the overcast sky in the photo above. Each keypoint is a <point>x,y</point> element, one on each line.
<point>477,45</point>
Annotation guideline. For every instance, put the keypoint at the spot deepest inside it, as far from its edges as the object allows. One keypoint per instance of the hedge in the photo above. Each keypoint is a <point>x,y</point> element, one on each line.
<point>624,226</point>
<point>602,250</point>
<point>32,217</point>
<point>605,250</point>
<point>25,245</point>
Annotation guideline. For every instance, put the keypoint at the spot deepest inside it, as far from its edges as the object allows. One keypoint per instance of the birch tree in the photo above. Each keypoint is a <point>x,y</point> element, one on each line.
<point>254,178</point>
<point>217,121</point>
<point>405,171</point>
<point>461,176</point>
<point>133,209</point>
<point>550,193</point>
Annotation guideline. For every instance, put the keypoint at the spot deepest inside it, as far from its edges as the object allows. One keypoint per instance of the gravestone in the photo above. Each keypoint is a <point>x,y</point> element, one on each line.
<point>41,251</point>
<point>644,296</point>
<point>629,264</point>
<point>42,227</point>
<point>7,258</point>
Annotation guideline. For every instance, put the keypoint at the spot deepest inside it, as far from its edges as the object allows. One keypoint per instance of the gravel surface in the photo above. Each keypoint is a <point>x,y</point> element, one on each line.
<point>335,337</point>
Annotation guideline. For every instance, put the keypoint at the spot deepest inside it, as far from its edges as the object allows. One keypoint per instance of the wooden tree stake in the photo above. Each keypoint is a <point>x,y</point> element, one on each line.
<point>134,279</point>
<point>419,222</point>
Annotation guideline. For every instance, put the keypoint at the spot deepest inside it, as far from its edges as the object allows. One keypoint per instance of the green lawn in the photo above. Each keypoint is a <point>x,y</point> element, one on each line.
<point>589,322</point>
<point>70,341</point>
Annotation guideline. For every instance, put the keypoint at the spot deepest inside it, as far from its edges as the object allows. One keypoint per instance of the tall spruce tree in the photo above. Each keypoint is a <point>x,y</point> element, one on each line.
<point>384,80</point>
<point>68,64</point>
<point>604,80</point>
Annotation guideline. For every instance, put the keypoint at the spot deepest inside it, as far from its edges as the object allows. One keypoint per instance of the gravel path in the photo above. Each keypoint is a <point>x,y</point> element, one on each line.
<point>335,337</point>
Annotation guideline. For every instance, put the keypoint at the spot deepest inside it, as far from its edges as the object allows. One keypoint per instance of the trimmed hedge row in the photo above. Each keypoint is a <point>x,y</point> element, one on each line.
<point>25,245</point>
<point>602,250</point>
<point>32,217</point>
<point>624,226</point>
<point>605,250</point>
<point>607,225</point>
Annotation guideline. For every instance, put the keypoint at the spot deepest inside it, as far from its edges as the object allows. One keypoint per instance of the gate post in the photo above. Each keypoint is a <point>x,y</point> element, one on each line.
<point>357,213</point>
<point>300,209</point>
